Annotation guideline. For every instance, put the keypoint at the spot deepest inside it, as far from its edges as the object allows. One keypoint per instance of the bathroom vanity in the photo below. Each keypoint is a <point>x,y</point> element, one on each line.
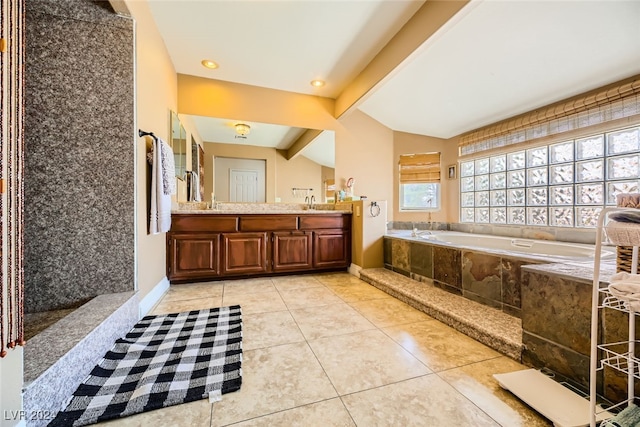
<point>219,245</point>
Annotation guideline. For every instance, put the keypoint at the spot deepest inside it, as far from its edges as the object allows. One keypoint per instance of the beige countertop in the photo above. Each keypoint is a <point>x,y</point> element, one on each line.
<point>258,212</point>
<point>230,208</point>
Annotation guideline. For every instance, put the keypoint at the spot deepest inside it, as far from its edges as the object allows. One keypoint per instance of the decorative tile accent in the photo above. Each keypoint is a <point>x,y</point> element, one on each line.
<point>422,259</point>
<point>481,276</point>
<point>449,262</point>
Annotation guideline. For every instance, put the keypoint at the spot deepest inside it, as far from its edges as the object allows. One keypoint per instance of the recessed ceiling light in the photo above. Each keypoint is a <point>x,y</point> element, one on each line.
<point>209,64</point>
<point>317,83</point>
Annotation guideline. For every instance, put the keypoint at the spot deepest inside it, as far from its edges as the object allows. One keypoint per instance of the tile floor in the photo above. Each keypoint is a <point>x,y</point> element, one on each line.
<point>331,350</point>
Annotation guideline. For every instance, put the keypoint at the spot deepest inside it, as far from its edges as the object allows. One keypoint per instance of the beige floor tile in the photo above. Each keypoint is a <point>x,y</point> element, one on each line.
<point>359,291</point>
<point>309,297</point>
<point>439,346</point>
<point>334,279</point>
<point>329,320</point>
<point>364,360</point>
<point>260,302</point>
<point>196,414</point>
<point>289,283</point>
<point>328,413</point>
<point>193,291</point>
<point>274,379</point>
<point>262,330</point>
<point>248,286</point>
<point>186,305</point>
<point>476,382</point>
<point>423,402</point>
<point>389,311</point>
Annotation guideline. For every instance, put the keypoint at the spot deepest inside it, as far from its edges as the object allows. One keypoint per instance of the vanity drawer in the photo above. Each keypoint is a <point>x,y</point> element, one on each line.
<point>268,222</point>
<point>313,222</point>
<point>204,223</point>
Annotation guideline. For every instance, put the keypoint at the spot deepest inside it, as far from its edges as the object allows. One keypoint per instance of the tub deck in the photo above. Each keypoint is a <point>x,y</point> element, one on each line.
<point>490,326</point>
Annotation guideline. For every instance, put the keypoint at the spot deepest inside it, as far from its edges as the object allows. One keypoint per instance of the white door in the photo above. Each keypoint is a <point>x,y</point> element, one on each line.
<point>243,185</point>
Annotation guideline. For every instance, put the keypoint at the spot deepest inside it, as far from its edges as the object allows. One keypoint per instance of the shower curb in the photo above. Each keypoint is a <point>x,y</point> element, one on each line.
<point>58,359</point>
<point>492,327</point>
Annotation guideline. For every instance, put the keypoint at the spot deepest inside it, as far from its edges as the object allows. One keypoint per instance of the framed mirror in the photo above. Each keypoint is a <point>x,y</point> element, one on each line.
<point>266,144</point>
<point>179,145</point>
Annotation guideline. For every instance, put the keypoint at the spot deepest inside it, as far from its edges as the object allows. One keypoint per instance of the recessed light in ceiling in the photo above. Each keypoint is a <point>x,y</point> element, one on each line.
<point>317,83</point>
<point>209,64</point>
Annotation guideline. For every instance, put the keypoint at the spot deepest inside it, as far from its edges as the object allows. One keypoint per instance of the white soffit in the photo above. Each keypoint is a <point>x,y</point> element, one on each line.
<point>503,58</point>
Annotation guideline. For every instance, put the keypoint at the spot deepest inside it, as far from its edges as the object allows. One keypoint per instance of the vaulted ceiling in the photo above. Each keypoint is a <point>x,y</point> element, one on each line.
<point>492,60</point>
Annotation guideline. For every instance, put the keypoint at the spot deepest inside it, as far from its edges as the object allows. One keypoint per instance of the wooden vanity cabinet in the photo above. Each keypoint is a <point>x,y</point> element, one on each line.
<point>216,246</point>
<point>192,255</point>
<point>292,250</point>
<point>332,248</point>
<point>331,240</point>
<point>244,253</point>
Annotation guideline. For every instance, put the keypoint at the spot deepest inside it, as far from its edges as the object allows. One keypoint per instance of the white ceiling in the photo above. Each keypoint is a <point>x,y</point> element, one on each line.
<point>493,60</point>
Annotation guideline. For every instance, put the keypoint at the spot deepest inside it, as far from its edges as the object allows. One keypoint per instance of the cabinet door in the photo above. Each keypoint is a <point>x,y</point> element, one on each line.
<point>331,248</point>
<point>244,253</point>
<point>292,251</point>
<point>193,255</point>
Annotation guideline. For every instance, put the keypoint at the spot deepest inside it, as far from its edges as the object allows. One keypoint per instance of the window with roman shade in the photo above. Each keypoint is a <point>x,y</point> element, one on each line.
<point>419,181</point>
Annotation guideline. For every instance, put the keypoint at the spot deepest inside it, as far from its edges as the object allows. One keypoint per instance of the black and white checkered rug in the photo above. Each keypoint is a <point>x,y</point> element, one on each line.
<point>164,360</point>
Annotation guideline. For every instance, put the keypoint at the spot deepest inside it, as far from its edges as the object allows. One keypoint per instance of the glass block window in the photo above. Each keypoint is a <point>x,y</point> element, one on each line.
<point>564,184</point>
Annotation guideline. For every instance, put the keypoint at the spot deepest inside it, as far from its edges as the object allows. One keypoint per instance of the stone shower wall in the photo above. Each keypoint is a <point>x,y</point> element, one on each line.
<point>79,161</point>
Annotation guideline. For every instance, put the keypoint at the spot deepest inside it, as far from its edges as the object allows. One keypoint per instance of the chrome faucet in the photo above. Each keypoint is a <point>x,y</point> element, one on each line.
<point>312,202</point>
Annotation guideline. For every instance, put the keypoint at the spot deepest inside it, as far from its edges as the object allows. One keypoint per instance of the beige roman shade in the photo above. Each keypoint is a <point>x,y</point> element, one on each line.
<point>419,168</point>
<point>599,106</point>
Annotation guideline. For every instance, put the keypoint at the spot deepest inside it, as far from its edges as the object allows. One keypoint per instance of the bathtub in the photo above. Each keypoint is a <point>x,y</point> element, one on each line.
<point>537,249</point>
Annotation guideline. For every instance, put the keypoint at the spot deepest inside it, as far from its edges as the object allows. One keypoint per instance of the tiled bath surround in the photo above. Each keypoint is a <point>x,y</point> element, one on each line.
<point>560,294</point>
<point>553,300</point>
<point>489,279</point>
<point>79,166</point>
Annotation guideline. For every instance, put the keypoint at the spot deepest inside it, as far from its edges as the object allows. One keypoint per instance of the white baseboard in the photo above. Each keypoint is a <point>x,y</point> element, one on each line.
<point>152,298</point>
<point>354,269</point>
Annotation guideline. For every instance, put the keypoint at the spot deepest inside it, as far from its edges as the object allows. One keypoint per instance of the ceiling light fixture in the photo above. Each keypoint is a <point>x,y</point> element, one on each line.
<point>317,83</point>
<point>243,129</point>
<point>209,64</point>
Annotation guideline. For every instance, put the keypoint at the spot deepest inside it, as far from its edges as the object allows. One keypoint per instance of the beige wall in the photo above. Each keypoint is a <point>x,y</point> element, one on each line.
<point>407,143</point>
<point>364,152</point>
<point>299,172</point>
<point>156,91</point>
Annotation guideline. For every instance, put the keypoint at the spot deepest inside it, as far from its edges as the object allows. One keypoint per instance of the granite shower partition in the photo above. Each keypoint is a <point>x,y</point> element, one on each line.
<point>490,279</point>
<point>79,163</point>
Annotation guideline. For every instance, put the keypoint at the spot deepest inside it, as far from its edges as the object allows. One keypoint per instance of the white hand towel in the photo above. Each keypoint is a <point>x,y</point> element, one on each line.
<point>626,287</point>
<point>160,215</point>
<point>168,168</point>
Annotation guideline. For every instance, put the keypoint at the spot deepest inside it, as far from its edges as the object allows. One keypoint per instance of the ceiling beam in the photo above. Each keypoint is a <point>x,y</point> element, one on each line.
<point>299,144</point>
<point>432,16</point>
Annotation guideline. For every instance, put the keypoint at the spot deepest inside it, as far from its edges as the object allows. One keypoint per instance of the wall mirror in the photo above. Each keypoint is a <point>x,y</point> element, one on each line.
<point>179,145</point>
<point>223,141</point>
